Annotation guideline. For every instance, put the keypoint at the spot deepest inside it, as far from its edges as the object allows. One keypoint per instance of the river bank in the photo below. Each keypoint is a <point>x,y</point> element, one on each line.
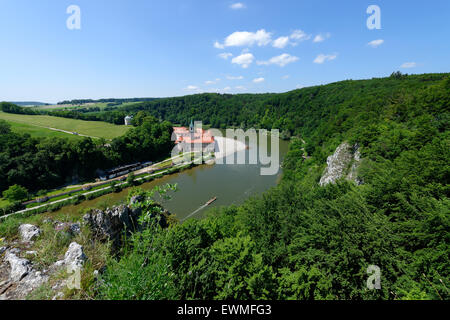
<point>231,183</point>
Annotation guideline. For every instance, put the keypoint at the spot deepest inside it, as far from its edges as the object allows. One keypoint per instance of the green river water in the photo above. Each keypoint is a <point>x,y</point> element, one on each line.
<point>230,183</point>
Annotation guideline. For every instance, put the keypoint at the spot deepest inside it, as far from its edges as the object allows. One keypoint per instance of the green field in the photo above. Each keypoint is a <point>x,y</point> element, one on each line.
<point>40,132</point>
<point>89,128</point>
<point>59,107</point>
<point>74,107</point>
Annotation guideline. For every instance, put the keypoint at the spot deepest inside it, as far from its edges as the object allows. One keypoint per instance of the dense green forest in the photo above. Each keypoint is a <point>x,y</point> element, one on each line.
<point>13,108</point>
<point>301,240</point>
<point>45,163</point>
<point>296,112</point>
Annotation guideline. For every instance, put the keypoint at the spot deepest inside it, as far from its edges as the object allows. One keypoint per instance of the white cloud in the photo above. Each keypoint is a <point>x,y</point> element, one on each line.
<point>375,43</point>
<point>299,35</point>
<point>237,6</point>
<point>258,80</point>
<point>218,90</point>
<point>225,55</point>
<point>409,65</point>
<point>246,39</point>
<point>281,42</point>
<point>191,88</point>
<point>321,58</point>
<point>217,45</point>
<point>294,39</point>
<point>240,88</point>
<point>244,60</point>
<point>285,77</point>
<point>318,38</point>
<point>321,37</point>
<point>264,38</point>
<point>235,78</point>
<point>280,60</point>
<point>209,82</point>
<point>299,86</point>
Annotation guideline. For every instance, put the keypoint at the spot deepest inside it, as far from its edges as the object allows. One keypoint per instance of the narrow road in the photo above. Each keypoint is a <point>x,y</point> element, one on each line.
<point>68,132</point>
<point>137,172</point>
<point>98,190</point>
<point>72,197</point>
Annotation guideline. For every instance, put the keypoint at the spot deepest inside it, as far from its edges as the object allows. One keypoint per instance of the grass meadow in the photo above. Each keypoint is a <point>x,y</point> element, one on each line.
<point>40,132</point>
<point>98,129</point>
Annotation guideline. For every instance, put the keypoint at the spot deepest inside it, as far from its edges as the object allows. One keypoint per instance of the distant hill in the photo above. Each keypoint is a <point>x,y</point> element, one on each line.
<point>29,103</point>
<point>120,100</point>
<point>298,112</point>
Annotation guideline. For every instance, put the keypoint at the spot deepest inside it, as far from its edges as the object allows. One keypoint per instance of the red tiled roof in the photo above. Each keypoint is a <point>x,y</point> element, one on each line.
<point>200,136</point>
<point>195,140</point>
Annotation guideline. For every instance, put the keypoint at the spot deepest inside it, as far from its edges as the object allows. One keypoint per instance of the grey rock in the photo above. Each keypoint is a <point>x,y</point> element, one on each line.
<point>61,226</point>
<point>58,263</point>
<point>15,250</point>
<point>33,280</point>
<point>75,228</point>
<point>2,249</point>
<point>353,172</point>
<point>75,256</point>
<point>110,224</point>
<point>47,220</point>
<point>28,232</point>
<point>58,296</point>
<point>338,164</point>
<point>19,267</point>
<point>72,228</point>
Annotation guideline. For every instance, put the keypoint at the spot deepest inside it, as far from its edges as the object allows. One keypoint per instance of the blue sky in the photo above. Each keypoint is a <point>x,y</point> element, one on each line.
<point>170,48</point>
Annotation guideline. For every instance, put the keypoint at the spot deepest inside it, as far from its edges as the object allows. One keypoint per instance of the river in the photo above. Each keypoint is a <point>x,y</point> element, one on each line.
<point>230,183</point>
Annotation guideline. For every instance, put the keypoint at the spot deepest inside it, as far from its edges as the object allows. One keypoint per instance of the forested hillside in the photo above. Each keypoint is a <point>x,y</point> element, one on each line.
<point>299,111</point>
<point>301,240</point>
<point>45,163</point>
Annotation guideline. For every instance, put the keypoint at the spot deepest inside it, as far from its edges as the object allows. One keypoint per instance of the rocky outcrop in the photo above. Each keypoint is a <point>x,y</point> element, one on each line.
<point>72,228</point>
<point>29,232</point>
<point>19,267</point>
<point>343,162</point>
<point>110,224</point>
<point>353,171</point>
<point>75,228</point>
<point>21,279</point>
<point>18,278</point>
<point>74,257</point>
<point>33,280</point>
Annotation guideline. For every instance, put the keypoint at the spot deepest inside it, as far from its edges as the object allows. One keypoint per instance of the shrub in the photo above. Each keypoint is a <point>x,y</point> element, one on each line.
<point>15,193</point>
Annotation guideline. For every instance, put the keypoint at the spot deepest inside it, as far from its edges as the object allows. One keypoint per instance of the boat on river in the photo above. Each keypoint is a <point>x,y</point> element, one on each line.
<point>211,201</point>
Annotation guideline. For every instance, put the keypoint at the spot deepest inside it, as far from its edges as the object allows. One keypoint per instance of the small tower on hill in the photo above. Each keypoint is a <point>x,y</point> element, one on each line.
<point>191,127</point>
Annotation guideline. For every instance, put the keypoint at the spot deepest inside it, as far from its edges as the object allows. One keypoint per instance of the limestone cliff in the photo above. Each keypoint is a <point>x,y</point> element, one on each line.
<point>343,162</point>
